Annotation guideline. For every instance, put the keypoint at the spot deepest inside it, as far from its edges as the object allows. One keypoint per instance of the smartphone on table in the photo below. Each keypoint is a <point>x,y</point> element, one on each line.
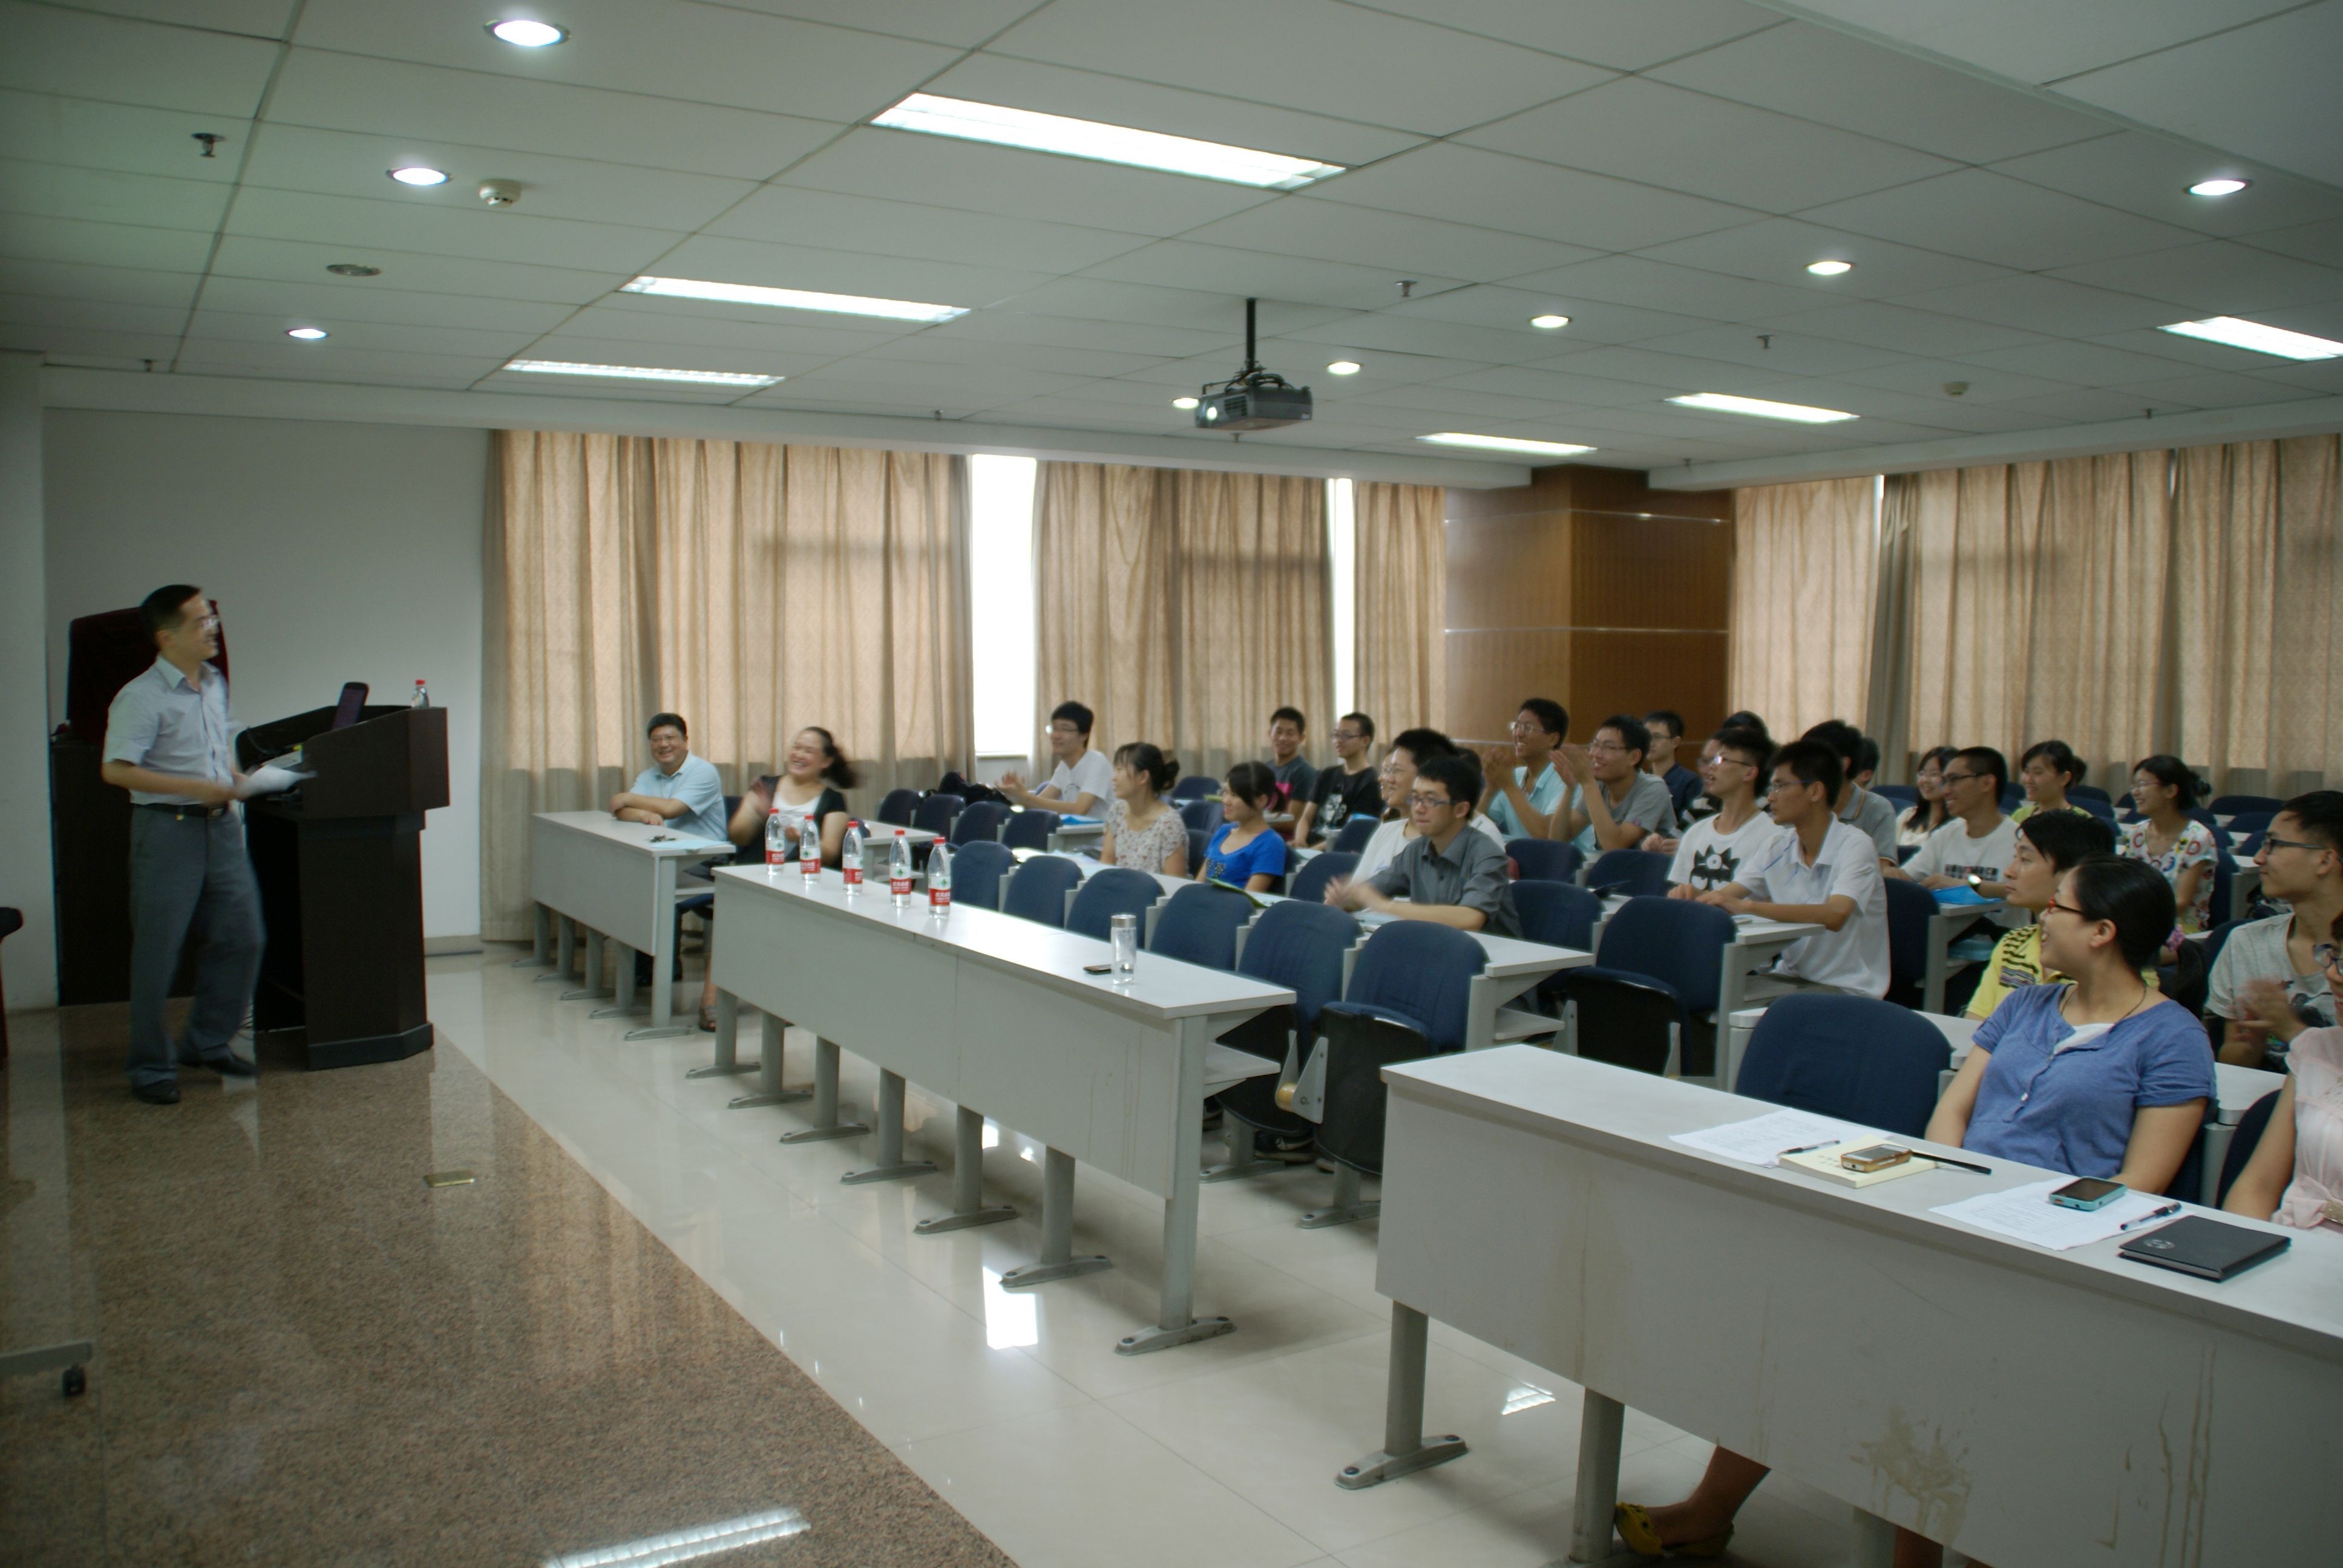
<point>2087,1192</point>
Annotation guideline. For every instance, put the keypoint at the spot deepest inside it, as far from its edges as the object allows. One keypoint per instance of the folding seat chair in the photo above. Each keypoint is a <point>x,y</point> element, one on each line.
<point>1542,860</point>
<point>1199,925</point>
<point>1203,815</point>
<point>1354,835</point>
<point>935,813</point>
<point>1116,891</point>
<point>977,870</point>
<point>1638,873</point>
<point>1557,915</point>
<point>979,823</point>
<point>1310,883</point>
<point>1037,889</point>
<point>1847,1057</point>
<point>898,808</point>
<point>1196,786</point>
<point>1028,829</point>
<point>1300,947</point>
<point>1910,908</point>
<point>2237,804</point>
<point>1650,1002</point>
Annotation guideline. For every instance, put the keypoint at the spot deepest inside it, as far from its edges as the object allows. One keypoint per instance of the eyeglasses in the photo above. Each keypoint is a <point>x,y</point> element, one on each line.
<point>1429,802</point>
<point>1963,778</point>
<point>1347,735</point>
<point>1607,747</point>
<point>2271,842</point>
<point>2054,904</point>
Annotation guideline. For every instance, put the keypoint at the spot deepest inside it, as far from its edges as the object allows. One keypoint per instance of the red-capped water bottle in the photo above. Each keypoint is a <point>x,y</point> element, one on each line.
<point>850,862</point>
<point>898,869</point>
<point>777,842</point>
<point>939,880</point>
<point>809,848</point>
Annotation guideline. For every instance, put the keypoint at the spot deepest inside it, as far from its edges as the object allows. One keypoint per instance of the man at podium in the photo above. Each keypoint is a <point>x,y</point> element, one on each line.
<point>170,741</point>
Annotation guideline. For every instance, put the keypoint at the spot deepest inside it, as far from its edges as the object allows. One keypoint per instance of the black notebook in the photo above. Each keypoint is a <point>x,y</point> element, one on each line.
<point>2205,1248</point>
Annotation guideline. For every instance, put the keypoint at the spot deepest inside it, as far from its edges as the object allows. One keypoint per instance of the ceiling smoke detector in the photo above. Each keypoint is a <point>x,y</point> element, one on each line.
<point>500,193</point>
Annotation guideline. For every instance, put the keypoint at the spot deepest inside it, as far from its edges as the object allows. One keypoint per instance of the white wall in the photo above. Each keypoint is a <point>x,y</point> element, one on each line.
<point>30,957</point>
<point>336,551</point>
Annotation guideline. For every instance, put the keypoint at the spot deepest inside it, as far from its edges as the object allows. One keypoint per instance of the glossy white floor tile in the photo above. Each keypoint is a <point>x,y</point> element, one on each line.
<point>1012,1404</point>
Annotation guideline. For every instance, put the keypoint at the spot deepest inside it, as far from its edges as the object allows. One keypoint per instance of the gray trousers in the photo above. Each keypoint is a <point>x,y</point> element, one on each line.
<point>189,874</point>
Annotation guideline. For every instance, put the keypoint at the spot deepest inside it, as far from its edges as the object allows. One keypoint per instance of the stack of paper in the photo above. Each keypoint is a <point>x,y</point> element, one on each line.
<point>2027,1214</point>
<point>1764,1139</point>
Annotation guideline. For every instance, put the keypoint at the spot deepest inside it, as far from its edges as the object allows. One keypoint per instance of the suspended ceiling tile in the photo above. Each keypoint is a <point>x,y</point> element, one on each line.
<point>81,55</point>
<point>106,245</point>
<point>2321,376</point>
<point>2080,363</point>
<point>2191,352</point>
<point>2321,242</point>
<point>34,191</point>
<point>1220,314</point>
<point>1819,74</point>
<point>1181,264</point>
<point>2051,306</point>
<point>1794,351</point>
<point>1495,190</point>
<point>92,314</point>
<point>1895,327</point>
<point>1661,136</point>
<point>1510,310</point>
<point>121,285</point>
<point>1402,245</point>
<point>2216,277</point>
<point>574,346</point>
<point>84,344</point>
<point>254,19</point>
<point>2217,389</point>
<point>1313,54</point>
<point>1657,285</point>
<point>2150,175</point>
<point>445,230</point>
<point>1559,388</point>
<point>1778,251</point>
<point>1984,384</point>
<point>1625,35</point>
<point>522,383</point>
<point>1459,402</point>
<point>1380,367</point>
<point>329,362</point>
<point>1991,217</point>
<point>331,300</point>
<point>1106,335</point>
<point>907,277</point>
<point>834,221</point>
<point>1658,374</point>
<point>931,347</point>
<point>842,395</point>
<point>391,98</point>
<point>2033,43</point>
<point>267,329</point>
<point>964,22</point>
<point>2096,406</point>
<point>903,166</point>
<point>631,318</point>
<point>81,133</point>
<point>979,384</point>
<point>302,261</point>
<point>1400,334</point>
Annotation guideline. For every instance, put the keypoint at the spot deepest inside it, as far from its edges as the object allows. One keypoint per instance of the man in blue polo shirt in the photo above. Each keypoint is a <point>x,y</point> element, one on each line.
<point>677,789</point>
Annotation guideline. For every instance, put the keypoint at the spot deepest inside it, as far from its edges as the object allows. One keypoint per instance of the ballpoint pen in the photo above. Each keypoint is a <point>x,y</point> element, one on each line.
<point>2151,1214</point>
<point>1808,1148</point>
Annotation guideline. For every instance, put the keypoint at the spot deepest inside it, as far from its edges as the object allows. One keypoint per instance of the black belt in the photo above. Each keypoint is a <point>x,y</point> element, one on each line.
<point>181,812</point>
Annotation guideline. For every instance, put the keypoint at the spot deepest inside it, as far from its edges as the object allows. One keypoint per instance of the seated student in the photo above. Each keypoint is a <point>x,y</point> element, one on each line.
<point>679,790</point>
<point>2294,1175</point>
<point>2302,862</point>
<point>1929,812</point>
<point>1410,750</point>
<point>2163,788</point>
<point>1818,868</point>
<point>1245,851</point>
<point>1523,786</point>
<point>1447,873</point>
<point>1973,849</point>
<point>2048,846</point>
<point>1084,780</point>
<point>1665,726</point>
<point>1875,814</point>
<point>1714,849</point>
<point>1703,804</point>
<point>1614,803</point>
<point>2046,772</point>
<point>1344,792</point>
<point>1143,831</point>
<point>806,794</point>
<point>2095,1076</point>
<point>1297,781</point>
<point>1742,718</point>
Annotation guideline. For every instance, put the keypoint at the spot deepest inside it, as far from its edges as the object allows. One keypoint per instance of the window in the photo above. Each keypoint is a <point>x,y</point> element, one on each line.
<point>1000,609</point>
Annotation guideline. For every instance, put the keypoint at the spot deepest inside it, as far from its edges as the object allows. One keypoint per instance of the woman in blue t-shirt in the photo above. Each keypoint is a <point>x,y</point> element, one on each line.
<point>1245,851</point>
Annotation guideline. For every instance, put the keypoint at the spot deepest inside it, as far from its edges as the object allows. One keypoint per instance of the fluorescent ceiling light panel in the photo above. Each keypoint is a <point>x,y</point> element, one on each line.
<point>2217,187</point>
<point>418,174</point>
<point>1505,444</point>
<point>640,373</point>
<point>305,333</point>
<point>1830,267</point>
<point>935,116</point>
<point>1549,322</point>
<point>525,33</point>
<point>2239,333</point>
<point>791,298</point>
<point>1725,403</point>
<point>1343,367</point>
<point>1183,402</point>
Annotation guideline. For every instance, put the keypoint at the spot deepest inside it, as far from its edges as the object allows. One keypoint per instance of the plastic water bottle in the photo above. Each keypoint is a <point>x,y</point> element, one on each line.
<point>422,696</point>
<point>850,862</point>
<point>898,869</point>
<point>810,850</point>
<point>939,880</point>
<point>777,843</point>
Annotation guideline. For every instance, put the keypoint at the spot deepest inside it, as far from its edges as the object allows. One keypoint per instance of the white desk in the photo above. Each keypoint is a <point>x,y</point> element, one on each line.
<point>616,882</point>
<point>992,1012</point>
<point>2031,1408</point>
<point>1073,836</point>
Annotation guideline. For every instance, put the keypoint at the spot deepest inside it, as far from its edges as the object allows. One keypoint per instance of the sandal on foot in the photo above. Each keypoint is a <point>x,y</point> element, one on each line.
<point>1635,1525</point>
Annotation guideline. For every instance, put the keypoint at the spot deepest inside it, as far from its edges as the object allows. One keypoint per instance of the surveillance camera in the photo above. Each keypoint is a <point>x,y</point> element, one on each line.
<point>500,193</point>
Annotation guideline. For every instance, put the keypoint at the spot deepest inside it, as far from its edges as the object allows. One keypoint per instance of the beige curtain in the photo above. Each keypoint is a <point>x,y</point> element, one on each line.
<point>1399,573</point>
<point>753,588</point>
<point>1803,599</point>
<point>1887,709</point>
<point>2258,574</point>
<point>1180,606</point>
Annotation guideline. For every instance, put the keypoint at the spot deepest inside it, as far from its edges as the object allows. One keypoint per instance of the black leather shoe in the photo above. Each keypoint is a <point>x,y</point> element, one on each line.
<point>163,1093</point>
<point>231,1066</point>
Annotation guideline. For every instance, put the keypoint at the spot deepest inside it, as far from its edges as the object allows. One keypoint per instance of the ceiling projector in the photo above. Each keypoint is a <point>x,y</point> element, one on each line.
<point>1253,398</point>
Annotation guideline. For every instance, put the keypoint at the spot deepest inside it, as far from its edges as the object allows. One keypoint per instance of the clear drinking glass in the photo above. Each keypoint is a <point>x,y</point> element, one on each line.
<point>1123,931</point>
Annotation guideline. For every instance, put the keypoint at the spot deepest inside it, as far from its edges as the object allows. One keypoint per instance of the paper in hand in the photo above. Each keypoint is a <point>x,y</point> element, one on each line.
<point>267,780</point>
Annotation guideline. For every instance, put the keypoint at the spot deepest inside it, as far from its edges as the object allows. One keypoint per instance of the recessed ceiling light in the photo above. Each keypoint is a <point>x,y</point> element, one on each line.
<point>1829,267</point>
<point>1343,367</point>
<point>935,116</point>
<point>1549,322</point>
<point>2242,334</point>
<point>305,333</point>
<point>352,269</point>
<point>640,373</point>
<point>418,174</point>
<point>1724,403</point>
<point>529,33</point>
<point>1504,444</point>
<point>1183,402</point>
<point>2220,188</point>
<point>791,298</point>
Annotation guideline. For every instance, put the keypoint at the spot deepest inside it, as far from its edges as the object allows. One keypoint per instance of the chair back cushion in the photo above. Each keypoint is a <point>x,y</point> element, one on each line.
<point>977,872</point>
<point>936,813</point>
<point>1542,860</point>
<point>1624,1019</point>
<point>1196,786</point>
<point>1638,873</point>
<point>2234,805</point>
<point>1300,946</point>
<point>1037,889</point>
<point>2250,1128</point>
<point>1355,833</point>
<point>1847,1056</point>
<point>1116,891</point>
<point>1910,907</point>
<point>1558,914</point>
<point>1199,925</point>
<point>897,808</point>
<point>1674,940</point>
<point>1310,883</point>
<point>1201,815</point>
<point>1028,829</point>
<point>1423,971</point>
<point>979,822</point>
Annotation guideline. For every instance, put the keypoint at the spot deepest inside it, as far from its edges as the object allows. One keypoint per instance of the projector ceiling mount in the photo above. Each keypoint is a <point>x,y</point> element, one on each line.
<point>1253,398</point>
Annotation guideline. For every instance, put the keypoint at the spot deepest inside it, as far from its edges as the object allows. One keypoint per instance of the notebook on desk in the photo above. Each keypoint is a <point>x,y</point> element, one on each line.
<point>2205,1248</point>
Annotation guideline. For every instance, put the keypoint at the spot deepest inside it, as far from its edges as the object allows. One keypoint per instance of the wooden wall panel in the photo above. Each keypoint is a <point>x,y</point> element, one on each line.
<point>1509,571</point>
<point>1488,673</point>
<point>1637,671</point>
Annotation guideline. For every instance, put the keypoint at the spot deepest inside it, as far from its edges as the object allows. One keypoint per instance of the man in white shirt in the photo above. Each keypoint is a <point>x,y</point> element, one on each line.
<point>1821,871</point>
<point>1084,779</point>
<point>677,789</point>
<point>1973,849</point>
<point>1715,850</point>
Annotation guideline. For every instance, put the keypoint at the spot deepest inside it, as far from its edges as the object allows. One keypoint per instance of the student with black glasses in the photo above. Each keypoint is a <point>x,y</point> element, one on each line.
<point>2268,967</point>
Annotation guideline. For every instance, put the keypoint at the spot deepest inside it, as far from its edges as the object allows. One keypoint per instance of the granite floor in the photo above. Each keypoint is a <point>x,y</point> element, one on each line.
<point>648,1314</point>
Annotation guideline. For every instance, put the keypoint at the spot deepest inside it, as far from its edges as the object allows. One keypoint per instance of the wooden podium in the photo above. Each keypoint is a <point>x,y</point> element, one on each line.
<point>339,864</point>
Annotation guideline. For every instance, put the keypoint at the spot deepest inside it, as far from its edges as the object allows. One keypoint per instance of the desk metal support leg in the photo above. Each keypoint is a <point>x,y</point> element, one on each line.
<point>826,1124</point>
<point>1406,1449</point>
<point>728,1062</point>
<point>767,1064</point>
<point>1875,1541</point>
<point>1347,1205</point>
<point>564,950</point>
<point>662,1024</point>
<point>891,1166</point>
<point>967,1180</point>
<point>1601,1425</point>
<point>592,990</point>
<point>1938,968</point>
<point>621,965</point>
<point>1057,1260</point>
<point>1242,1162</point>
<point>1177,1324</point>
<point>540,951</point>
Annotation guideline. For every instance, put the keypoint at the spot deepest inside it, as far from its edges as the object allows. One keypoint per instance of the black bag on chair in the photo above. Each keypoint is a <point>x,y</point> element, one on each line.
<point>970,790</point>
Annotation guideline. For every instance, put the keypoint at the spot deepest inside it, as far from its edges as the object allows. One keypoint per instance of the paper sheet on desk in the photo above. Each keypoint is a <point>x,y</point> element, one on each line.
<point>2027,1214</point>
<point>1763,1140</point>
<point>267,780</point>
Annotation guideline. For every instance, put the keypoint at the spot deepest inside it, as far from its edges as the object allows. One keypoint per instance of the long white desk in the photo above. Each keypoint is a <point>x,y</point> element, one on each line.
<point>615,882</point>
<point>2034,1409</point>
<point>995,1014</point>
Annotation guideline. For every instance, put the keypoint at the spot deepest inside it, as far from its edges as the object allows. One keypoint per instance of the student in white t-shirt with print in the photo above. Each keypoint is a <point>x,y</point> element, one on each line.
<point>1084,780</point>
<point>1820,870</point>
<point>1713,852</point>
<point>1974,848</point>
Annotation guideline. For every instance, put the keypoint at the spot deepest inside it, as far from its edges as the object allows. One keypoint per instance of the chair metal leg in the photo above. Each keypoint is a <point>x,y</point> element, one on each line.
<point>728,1062</point>
<point>826,1124</point>
<point>768,1070</point>
<point>889,1116</point>
<point>1057,1260</point>
<point>1242,1161</point>
<point>1406,1449</point>
<point>1347,1205</point>
<point>969,1209</point>
<point>592,991</point>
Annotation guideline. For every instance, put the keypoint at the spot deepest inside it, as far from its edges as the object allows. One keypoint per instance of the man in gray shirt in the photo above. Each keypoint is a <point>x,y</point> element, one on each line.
<point>1615,805</point>
<point>169,741</point>
<point>1858,807</point>
<point>1447,874</point>
<point>1297,781</point>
